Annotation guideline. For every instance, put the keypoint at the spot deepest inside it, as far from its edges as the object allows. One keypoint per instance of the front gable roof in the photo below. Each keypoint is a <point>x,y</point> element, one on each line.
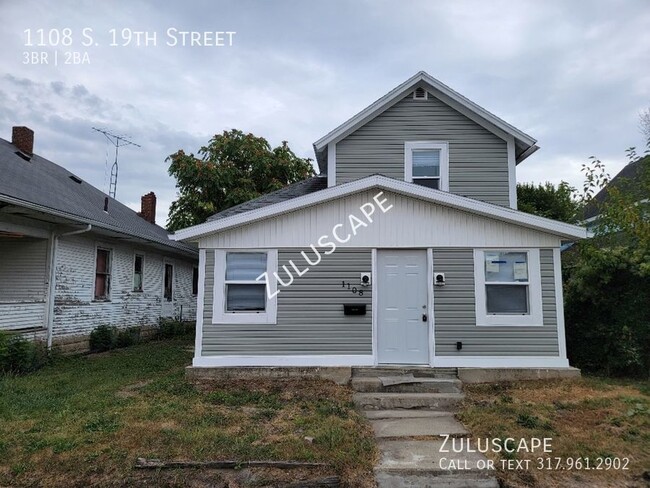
<point>525,145</point>
<point>443,198</point>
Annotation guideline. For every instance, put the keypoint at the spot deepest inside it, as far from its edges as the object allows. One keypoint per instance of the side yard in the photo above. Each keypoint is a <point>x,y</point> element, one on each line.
<point>586,418</point>
<point>84,421</point>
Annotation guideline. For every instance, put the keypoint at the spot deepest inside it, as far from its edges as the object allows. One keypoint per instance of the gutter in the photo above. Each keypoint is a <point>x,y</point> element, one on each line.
<point>84,220</point>
<point>49,317</point>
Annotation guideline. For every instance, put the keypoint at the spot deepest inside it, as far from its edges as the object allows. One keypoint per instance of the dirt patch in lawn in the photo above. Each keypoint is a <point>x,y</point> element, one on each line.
<point>593,423</point>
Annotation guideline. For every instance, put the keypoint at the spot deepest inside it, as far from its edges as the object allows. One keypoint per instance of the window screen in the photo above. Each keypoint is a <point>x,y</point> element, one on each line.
<point>506,283</point>
<point>243,292</point>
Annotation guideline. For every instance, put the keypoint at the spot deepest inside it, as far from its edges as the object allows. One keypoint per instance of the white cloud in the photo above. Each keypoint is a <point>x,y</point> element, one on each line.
<point>572,74</point>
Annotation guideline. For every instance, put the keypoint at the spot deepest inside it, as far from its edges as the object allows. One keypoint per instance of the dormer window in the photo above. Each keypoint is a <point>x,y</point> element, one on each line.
<point>426,163</point>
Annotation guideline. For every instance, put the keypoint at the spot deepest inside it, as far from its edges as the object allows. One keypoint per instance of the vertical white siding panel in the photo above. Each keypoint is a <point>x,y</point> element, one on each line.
<point>410,223</point>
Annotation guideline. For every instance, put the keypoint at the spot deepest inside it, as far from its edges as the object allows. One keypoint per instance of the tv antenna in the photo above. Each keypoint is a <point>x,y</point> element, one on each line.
<point>117,141</point>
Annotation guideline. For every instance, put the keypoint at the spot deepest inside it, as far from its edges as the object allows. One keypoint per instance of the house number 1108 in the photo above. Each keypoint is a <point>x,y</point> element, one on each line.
<point>353,289</point>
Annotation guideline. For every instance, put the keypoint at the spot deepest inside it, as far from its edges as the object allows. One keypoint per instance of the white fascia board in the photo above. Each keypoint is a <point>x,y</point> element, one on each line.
<point>451,200</point>
<point>395,94</point>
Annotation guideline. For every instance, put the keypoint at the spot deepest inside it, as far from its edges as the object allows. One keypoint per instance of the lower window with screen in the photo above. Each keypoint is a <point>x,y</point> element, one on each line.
<point>506,283</point>
<point>243,292</point>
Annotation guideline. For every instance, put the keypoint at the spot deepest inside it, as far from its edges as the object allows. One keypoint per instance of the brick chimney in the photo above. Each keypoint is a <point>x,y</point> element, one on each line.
<point>23,139</point>
<point>148,207</point>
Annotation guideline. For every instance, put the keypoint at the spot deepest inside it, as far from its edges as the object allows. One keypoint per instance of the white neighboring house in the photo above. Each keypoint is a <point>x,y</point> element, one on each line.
<point>451,276</point>
<point>72,258</point>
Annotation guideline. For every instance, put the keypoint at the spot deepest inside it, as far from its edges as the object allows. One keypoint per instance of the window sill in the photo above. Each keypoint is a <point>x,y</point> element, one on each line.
<point>516,321</point>
<point>101,300</point>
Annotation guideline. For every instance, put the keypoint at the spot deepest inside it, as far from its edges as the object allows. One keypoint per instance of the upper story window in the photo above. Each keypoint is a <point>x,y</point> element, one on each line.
<point>426,163</point>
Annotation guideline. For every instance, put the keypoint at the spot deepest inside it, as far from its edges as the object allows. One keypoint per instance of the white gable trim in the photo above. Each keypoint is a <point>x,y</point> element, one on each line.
<point>331,164</point>
<point>468,108</point>
<point>451,200</point>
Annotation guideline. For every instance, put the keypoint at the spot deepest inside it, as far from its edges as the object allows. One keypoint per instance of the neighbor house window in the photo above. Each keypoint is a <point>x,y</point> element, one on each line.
<point>508,287</point>
<point>138,272</point>
<point>427,164</point>
<point>243,285</point>
<point>169,282</point>
<point>195,281</point>
<point>102,274</point>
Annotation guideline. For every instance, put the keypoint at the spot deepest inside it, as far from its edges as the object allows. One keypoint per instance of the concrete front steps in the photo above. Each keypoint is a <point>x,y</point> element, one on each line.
<point>424,385</point>
<point>420,464</point>
<point>409,419</point>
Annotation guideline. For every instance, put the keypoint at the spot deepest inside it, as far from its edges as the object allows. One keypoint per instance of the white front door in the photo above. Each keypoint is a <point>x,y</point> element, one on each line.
<point>402,313</point>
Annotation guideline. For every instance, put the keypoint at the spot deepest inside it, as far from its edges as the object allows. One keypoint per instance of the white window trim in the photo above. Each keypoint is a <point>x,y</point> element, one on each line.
<point>443,146</point>
<point>534,318</point>
<point>110,250</point>
<point>219,314</point>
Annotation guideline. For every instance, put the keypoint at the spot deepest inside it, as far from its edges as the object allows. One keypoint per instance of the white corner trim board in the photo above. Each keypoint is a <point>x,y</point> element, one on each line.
<point>559,301</point>
<point>200,303</point>
<point>384,183</point>
<point>512,173</point>
<point>320,360</point>
<point>331,164</point>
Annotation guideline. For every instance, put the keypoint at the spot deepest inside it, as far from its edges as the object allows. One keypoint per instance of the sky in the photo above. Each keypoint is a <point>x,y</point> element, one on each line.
<point>573,74</point>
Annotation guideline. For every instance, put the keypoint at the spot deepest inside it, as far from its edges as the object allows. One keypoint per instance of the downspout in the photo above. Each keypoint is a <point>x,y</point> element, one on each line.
<point>54,241</point>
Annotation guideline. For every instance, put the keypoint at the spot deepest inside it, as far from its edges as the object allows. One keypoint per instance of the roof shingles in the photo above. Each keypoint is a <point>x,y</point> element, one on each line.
<point>48,186</point>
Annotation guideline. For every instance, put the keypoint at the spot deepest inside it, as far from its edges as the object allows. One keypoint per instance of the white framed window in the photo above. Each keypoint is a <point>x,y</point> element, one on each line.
<point>103,265</point>
<point>239,296</point>
<point>138,272</point>
<point>426,163</point>
<point>168,282</point>
<point>508,287</point>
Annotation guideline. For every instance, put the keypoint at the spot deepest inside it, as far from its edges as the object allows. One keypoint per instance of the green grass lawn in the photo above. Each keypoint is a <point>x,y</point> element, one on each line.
<point>85,420</point>
<point>587,417</point>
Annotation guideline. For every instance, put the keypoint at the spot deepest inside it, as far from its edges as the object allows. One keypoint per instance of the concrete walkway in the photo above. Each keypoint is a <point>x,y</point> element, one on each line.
<point>409,420</point>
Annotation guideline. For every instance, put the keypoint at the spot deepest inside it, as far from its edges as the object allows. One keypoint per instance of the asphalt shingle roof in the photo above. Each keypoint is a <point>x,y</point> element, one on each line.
<point>304,187</point>
<point>629,173</point>
<point>49,186</point>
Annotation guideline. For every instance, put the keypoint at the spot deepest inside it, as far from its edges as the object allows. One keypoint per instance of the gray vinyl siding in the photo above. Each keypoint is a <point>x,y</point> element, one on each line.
<point>310,319</point>
<point>478,159</point>
<point>455,318</point>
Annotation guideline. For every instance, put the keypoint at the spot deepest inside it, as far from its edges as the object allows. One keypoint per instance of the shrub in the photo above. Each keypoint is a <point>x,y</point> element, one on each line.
<point>19,355</point>
<point>169,328</point>
<point>607,303</point>
<point>127,337</point>
<point>106,337</point>
<point>103,338</point>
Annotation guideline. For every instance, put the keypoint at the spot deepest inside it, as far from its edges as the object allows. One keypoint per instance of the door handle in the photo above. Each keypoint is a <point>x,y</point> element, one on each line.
<point>424,317</point>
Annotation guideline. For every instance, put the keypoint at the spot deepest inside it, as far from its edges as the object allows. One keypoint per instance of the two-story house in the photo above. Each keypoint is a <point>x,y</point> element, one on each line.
<point>407,249</point>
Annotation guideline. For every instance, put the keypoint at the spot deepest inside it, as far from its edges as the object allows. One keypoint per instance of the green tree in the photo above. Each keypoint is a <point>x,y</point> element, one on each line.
<point>548,200</point>
<point>607,278</point>
<point>233,168</point>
